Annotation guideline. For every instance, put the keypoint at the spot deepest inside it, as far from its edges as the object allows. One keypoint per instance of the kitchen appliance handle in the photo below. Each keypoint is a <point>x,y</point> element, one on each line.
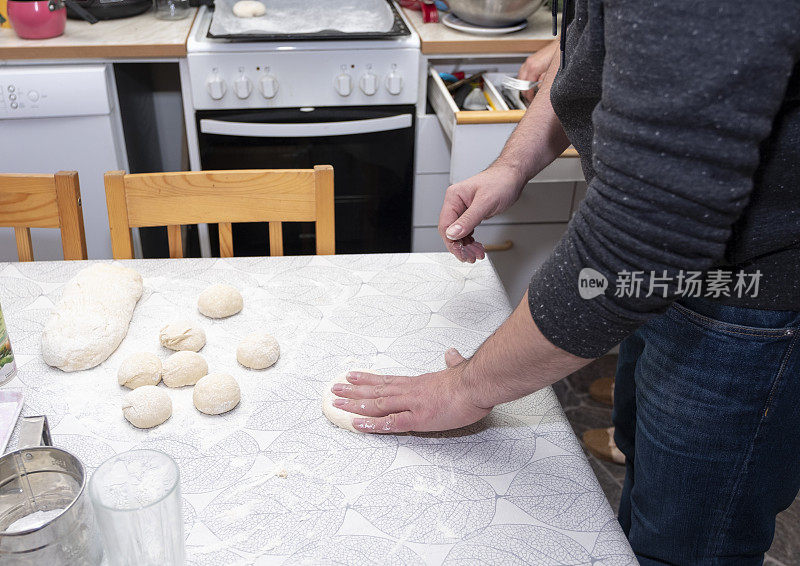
<point>305,130</point>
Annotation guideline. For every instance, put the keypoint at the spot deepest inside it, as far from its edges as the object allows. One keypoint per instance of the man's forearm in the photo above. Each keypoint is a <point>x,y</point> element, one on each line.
<point>516,360</point>
<point>538,138</point>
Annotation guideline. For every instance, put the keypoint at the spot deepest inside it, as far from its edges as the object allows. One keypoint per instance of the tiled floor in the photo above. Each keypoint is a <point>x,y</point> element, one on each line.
<point>584,413</point>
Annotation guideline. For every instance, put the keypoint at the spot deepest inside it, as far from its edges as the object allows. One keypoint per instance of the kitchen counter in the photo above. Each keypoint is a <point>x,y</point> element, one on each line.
<point>143,36</point>
<point>438,39</point>
<point>272,481</point>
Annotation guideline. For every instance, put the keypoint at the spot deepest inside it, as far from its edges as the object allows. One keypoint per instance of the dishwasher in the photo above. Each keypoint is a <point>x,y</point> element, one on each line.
<point>62,117</point>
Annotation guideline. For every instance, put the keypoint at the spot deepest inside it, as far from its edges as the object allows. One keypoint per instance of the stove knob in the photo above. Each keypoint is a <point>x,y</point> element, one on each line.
<point>269,86</point>
<point>242,87</point>
<point>216,86</point>
<point>394,82</point>
<point>344,84</point>
<point>369,83</point>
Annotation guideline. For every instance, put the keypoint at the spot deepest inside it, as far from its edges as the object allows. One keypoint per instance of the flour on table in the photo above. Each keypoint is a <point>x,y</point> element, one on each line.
<point>92,317</point>
<point>220,301</point>
<point>141,368</point>
<point>147,406</point>
<point>182,335</point>
<point>249,9</point>
<point>339,417</point>
<point>259,350</point>
<point>216,393</point>
<point>184,368</point>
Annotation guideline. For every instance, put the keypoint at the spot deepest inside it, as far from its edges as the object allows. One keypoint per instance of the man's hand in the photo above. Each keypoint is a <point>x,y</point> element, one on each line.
<point>535,67</point>
<point>394,404</point>
<point>468,203</point>
<point>515,361</point>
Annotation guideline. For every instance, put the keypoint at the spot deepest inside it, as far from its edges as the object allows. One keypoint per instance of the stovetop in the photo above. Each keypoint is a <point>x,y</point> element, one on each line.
<point>310,20</point>
<point>200,41</point>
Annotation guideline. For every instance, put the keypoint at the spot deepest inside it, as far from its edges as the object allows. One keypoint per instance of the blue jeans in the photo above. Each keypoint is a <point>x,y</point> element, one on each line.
<point>707,413</point>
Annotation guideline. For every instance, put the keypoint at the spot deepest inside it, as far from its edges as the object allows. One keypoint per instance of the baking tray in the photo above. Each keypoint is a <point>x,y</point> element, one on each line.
<point>223,22</point>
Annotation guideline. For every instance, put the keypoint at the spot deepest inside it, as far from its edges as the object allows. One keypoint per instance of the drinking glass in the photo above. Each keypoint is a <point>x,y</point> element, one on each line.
<point>137,502</point>
<point>172,9</point>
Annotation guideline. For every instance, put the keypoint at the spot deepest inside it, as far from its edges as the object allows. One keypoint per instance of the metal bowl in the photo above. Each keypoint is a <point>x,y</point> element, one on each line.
<point>494,13</point>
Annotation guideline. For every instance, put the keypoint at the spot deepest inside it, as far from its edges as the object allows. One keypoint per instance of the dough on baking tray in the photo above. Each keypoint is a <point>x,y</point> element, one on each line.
<point>249,9</point>
<point>183,368</point>
<point>216,393</point>
<point>258,351</point>
<point>339,417</point>
<point>182,335</point>
<point>92,317</point>
<point>141,368</point>
<point>220,301</point>
<point>147,406</point>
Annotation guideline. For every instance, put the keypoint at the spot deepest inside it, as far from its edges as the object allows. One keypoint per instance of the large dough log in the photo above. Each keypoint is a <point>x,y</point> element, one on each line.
<point>92,317</point>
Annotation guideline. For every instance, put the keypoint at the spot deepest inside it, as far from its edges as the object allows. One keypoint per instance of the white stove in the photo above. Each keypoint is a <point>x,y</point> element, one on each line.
<point>277,74</point>
<point>282,104</point>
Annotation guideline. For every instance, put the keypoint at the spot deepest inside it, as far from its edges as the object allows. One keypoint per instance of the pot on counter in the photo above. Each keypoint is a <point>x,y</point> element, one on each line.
<point>37,19</point>
<point>494,13</point>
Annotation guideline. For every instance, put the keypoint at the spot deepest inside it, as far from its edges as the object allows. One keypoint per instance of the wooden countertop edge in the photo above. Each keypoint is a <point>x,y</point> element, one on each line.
<point>486,46</point>
<point>94,51</point>
<point>105,51</point>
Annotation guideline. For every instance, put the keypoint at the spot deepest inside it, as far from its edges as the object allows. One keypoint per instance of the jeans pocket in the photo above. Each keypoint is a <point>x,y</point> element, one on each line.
<point>728,323</point>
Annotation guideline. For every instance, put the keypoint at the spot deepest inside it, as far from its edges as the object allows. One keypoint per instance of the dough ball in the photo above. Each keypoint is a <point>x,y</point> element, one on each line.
<point>248,9</point>
<point>182,335</point>
<point>341,418</point>
<point>142,368</point>
<point>183,368</point>
<point>220,301</point>
<point>216,393</point>
<point>147,406</point>
<point>258,351</point>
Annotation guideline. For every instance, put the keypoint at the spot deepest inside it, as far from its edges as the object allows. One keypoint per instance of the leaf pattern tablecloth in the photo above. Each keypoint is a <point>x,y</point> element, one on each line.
<point>272,481</point>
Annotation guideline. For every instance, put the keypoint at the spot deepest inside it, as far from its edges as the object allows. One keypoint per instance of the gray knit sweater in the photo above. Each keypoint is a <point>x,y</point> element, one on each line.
<point>687,119</point>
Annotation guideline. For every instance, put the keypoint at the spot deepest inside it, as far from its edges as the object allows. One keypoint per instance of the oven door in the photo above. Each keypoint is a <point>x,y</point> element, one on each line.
<point>371,150</point>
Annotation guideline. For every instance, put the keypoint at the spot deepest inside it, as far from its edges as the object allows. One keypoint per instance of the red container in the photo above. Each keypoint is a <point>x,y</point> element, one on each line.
<point>37,19</point>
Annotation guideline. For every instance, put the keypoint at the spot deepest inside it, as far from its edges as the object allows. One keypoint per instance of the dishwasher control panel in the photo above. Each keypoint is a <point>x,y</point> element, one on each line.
<point>46,91</point>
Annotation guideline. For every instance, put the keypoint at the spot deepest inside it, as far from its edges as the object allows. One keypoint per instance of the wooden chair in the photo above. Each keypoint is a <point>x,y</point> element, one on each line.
<point>43,201</point>
<point>224,197</point>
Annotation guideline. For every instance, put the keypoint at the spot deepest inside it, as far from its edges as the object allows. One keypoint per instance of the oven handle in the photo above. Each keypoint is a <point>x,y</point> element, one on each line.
<point>320,129</point>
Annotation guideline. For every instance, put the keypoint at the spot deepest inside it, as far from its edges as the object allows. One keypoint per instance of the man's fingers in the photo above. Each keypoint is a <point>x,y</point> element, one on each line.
<point>391,424</point>
<point>364,391</point>
<point>366,378</point>
<point>477,250</point>
<point>379,407</point>
<point>467,222</point>
<point>452,358</point>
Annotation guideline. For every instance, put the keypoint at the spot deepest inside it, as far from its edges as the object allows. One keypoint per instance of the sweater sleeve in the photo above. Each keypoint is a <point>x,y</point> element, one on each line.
<point>689,91</point>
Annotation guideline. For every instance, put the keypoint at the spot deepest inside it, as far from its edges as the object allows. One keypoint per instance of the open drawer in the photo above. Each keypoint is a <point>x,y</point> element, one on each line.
<point>477,137</point>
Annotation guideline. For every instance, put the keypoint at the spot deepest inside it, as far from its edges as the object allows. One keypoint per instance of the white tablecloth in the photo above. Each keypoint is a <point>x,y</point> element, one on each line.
<point>512,489</point>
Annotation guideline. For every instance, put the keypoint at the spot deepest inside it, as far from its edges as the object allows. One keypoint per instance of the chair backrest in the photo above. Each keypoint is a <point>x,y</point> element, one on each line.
<point>43,201</point>
<point>224,197</point>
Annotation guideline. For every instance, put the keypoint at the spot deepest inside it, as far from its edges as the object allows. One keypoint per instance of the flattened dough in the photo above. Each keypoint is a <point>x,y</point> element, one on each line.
<point>92,317</point>
<point>249,9</point>
<point>342,419</point>
<point>182,335</point>
<point>141,368</point>
<point>147,406</point>
<point>220,301</point>
<point>259,350</point>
